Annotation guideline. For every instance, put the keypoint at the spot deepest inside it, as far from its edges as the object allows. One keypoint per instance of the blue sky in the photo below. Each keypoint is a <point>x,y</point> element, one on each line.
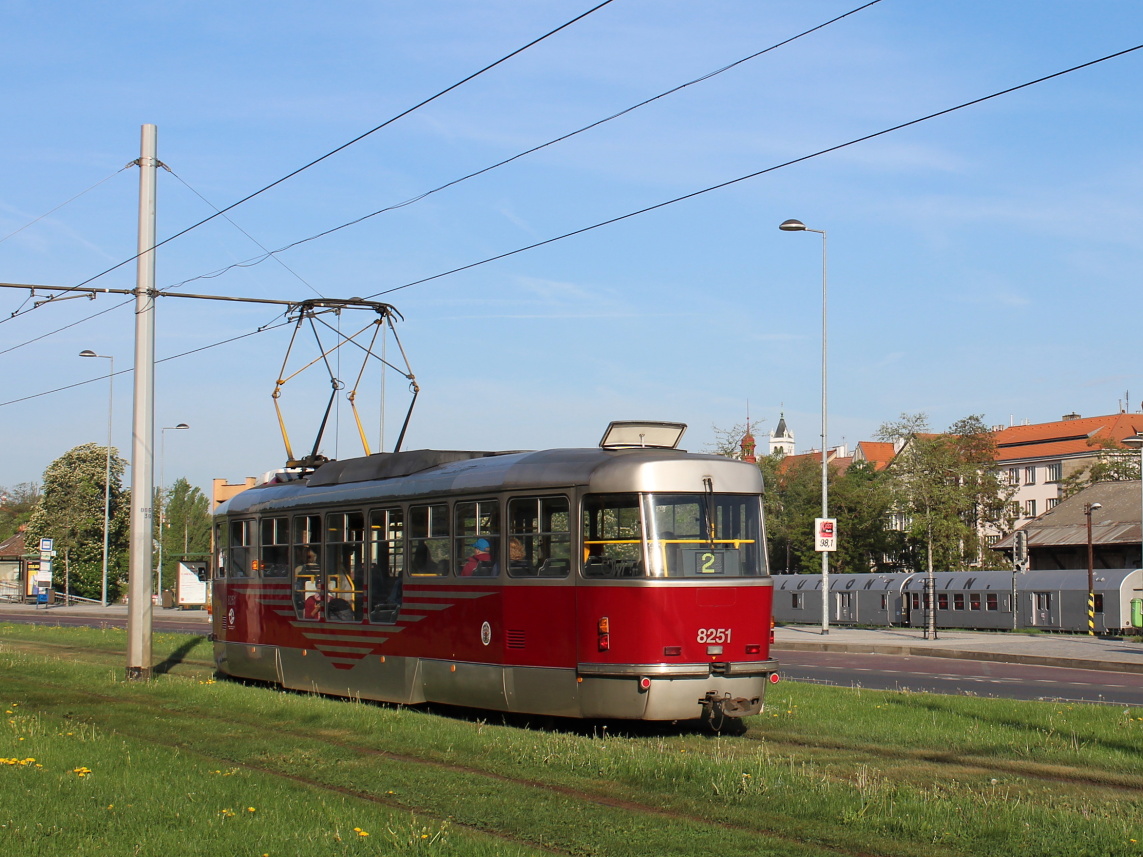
<point>984,262</point>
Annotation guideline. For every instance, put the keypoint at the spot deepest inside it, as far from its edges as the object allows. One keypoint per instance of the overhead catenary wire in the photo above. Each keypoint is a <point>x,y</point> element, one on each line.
<point>65,203</point>
<point>257,260</point>
<point>345,145</point>
<point>258,243</point>
<point>752,175</point>
<point>274,253</point>
<point>655,207</point>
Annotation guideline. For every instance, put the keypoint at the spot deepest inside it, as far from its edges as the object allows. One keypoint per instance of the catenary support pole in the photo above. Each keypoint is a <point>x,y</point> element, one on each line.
<point>140,607</point>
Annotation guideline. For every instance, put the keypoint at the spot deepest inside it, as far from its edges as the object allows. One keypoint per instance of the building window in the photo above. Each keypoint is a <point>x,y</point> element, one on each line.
<point>942,601</point>
<point>991,601</point>
<point>1029,508</point>
<point>958,601</point>
<point>990,540</point>
<point>796,600</point>
<point>1054,471</point>
<point>974,601</point>
<point>1029,475</point>
<point>1013,475</point>
<point>1053,502</point>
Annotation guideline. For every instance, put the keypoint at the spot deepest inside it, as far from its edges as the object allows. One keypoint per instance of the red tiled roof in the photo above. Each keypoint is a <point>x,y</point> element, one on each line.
<point>1064,438</point>
<point>876,453</point>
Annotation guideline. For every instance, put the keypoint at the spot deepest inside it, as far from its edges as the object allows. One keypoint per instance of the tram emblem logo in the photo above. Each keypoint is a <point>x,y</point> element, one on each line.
<point>486,633</point>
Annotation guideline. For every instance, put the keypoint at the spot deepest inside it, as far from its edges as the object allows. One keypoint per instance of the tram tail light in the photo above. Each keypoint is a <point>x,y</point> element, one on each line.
<point>753,649</point>
<point>672,651</point>
<point>604,627</point>
<point>774,679</point>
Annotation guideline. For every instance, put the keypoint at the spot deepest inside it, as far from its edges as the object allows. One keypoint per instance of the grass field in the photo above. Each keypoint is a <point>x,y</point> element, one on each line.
<point>187,765</point>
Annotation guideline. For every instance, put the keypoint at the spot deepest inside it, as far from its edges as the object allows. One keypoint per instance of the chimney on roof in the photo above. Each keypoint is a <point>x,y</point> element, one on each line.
<point>1072,416</point>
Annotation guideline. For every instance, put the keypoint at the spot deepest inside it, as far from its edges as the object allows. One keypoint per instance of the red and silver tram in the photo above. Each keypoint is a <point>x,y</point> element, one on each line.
<point>626,581</point>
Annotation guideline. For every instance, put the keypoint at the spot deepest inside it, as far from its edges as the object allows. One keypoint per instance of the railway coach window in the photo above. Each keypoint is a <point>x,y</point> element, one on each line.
<point>386,563</point>
<point>477,538</point>
<point>539,537</point>
<point>428,540</point>
<point>275,561</point>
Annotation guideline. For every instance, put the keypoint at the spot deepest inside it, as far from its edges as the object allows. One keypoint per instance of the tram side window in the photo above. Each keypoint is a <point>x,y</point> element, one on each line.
<point>386,564</point>
<point>221,548</point>
<point>309,596</point>
<point>477,538</point>
<point>242,549</point>
<point>539,537</point>
<point>428,540</point>
<point>345,566</point>
<point>612,536</point>
<point>275,561</point>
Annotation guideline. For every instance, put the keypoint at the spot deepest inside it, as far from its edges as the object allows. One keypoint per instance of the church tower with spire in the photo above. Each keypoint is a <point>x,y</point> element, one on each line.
<point>781,438</point>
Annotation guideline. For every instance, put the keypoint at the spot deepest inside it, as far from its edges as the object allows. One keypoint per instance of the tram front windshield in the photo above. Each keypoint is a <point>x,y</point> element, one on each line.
<point>693,536</point>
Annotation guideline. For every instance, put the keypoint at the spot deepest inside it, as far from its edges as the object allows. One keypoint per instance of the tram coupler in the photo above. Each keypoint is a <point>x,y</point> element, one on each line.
<point>716,707</point>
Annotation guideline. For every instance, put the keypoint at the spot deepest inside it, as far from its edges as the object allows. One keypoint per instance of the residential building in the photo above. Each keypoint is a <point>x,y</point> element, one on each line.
<point>1036,458</point>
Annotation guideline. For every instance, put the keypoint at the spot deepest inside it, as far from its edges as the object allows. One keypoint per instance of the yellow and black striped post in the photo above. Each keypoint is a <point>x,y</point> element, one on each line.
<point>1088,508</point>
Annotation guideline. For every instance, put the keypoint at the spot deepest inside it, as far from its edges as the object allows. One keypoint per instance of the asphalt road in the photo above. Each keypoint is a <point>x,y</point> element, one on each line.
<point>962,676</point>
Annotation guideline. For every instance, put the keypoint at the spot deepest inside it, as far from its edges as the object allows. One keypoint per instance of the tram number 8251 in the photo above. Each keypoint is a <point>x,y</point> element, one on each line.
<point>713,635</point>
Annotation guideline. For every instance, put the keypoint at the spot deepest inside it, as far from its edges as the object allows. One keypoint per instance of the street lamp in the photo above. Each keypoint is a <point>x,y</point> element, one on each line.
<point>162,505</point>
<point>107,475</point>
<point>798,226</point>
<point>1088,508</point>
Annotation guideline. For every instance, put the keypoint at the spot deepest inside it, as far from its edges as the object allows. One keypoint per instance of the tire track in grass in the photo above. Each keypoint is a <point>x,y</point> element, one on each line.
<point>654,817</point>
<point>1034,771</point>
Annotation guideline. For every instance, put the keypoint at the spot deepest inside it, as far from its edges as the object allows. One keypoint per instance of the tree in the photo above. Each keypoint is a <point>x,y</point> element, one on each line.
<point>862,499</point>
<point>947,490</point>
<point>185,527</point>
<point>16,505</point>
<point>70,511</point>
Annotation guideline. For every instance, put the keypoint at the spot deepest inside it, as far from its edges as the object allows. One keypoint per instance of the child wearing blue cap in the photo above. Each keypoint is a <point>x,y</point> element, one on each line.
<point>481,553</point>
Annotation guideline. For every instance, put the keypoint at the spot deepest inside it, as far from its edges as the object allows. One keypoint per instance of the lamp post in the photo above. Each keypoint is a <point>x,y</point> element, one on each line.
<point>798,226</point>
<point>107,475</point>
<point>162,504</point>
<point>1088,508</point>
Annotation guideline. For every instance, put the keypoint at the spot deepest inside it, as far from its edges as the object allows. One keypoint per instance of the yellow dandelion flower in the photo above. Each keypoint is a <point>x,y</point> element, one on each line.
<point>251,809</point>
<point>362,833</point>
